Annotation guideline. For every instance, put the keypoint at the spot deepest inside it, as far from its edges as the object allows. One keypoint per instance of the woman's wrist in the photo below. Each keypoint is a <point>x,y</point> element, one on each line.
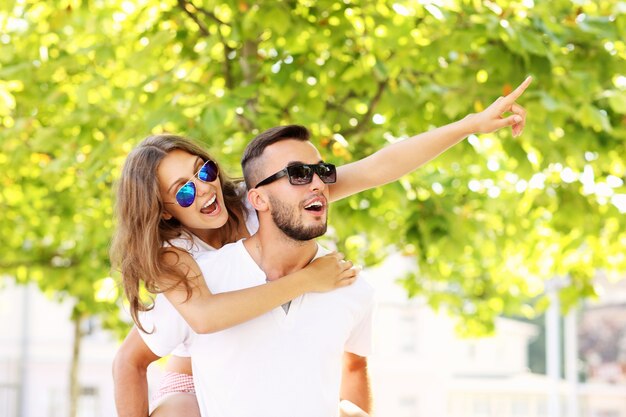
<point>304,283</point>
<point>295,284</point>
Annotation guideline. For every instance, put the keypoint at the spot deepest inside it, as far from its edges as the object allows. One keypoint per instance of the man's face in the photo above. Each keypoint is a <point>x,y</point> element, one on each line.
<point>300,211</point>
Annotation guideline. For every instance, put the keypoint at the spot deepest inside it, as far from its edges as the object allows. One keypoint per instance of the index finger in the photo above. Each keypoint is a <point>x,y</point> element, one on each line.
<point>514,95</point>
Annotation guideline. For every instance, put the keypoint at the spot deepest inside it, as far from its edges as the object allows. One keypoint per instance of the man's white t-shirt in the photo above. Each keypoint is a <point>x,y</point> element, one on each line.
<point>169,333</point>
<point>279,364</point>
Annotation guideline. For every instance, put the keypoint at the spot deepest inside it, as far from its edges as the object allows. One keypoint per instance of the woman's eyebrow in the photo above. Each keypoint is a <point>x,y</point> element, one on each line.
<point>181,179</point>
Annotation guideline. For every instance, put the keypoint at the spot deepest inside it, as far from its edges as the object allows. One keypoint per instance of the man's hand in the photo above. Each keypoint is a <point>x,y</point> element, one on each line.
<point>491,119</point>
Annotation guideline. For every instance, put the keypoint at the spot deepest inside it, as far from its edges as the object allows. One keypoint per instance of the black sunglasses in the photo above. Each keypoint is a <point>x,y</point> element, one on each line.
<point>303,174</point>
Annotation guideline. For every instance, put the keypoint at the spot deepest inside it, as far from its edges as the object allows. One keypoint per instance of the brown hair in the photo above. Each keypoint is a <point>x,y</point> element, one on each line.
<point>257,145</point>
<point>139,243</point>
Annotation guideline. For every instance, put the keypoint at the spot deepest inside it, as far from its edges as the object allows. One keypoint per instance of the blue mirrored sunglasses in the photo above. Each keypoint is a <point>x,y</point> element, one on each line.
<point>186,195</point>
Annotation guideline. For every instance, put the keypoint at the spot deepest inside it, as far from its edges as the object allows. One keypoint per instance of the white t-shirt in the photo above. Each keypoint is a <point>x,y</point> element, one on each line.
<point>279,364</point>
<point>169,332</point>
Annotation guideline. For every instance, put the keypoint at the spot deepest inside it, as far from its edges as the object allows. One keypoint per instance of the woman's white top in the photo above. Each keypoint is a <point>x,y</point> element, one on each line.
<point>164,316</point>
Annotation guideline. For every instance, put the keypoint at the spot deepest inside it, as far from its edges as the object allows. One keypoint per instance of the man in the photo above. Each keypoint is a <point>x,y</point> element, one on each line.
<point>287,362</point>
<point>135,355</point>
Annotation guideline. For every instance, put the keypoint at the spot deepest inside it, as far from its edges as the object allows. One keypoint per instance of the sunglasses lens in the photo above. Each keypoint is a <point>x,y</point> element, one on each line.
<point>300,174</point>
<point>327,173</point>
<point>208,172</point>
<point>186,195</point>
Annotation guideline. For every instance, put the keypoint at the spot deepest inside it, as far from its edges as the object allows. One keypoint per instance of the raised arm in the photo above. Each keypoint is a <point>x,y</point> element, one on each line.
<point>207,313</point>
<point>400,158</point>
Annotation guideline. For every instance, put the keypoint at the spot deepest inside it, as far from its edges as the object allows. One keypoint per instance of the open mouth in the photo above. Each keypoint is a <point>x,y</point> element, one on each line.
<point>315,206</point>
<point>210,206</point>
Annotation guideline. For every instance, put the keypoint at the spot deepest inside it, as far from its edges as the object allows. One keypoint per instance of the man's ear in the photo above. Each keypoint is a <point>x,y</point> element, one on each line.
<point>258,199</point>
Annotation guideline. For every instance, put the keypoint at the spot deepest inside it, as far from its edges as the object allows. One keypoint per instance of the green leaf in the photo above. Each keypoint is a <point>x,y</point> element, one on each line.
<point>486,222</point>
<point>594,118</point>
<point>617,101</point>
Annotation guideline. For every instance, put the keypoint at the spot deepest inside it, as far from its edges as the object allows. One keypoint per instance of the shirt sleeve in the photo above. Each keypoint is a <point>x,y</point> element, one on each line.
<point>182,350</point>
<point>360,340</point>
<point>165,330</point>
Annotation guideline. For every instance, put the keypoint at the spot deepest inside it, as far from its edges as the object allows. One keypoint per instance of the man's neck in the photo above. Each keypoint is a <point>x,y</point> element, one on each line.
<point>278,255</point>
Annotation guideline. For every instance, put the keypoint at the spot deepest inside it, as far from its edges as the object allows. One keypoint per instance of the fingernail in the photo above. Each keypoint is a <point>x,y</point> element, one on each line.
<point>517,119</point>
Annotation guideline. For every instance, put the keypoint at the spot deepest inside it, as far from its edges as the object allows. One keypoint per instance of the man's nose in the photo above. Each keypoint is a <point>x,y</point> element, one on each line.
<point>317,183</point>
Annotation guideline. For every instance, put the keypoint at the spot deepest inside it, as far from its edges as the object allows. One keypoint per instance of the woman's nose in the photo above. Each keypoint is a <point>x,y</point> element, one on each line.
<point>201,187</point>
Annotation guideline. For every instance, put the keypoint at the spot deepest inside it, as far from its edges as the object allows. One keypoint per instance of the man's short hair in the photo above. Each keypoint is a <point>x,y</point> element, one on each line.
<point>256,147</point>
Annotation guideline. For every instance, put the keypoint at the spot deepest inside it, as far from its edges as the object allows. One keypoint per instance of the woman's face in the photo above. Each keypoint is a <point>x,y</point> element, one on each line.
<point>207,210</point>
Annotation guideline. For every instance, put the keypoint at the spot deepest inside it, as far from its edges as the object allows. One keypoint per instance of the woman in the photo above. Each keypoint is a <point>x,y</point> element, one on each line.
<point>180,224</point>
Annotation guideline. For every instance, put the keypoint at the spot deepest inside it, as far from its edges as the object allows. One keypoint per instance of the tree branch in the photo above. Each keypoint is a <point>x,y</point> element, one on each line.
<point>183,5</point>
<point>227,68</point>
<point>380,89</point>
<point>207,13</point>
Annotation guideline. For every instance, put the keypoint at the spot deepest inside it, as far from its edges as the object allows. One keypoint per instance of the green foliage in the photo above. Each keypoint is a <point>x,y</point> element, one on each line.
<point>83,81</point>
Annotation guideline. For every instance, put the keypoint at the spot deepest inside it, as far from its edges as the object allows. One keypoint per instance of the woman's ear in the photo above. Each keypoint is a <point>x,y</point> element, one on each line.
<point>165,215</point>
<point>258,199</point>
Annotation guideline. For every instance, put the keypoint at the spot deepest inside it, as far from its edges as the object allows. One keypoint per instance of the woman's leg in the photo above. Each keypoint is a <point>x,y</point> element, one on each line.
<point>178,405</point>
<point>176,397</point>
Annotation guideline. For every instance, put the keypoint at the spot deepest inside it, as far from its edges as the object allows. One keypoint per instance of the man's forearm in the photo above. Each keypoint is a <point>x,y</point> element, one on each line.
<point>356,389</point>
<point>130,376</point>
<point>355,384</point>
<point>131,391</point>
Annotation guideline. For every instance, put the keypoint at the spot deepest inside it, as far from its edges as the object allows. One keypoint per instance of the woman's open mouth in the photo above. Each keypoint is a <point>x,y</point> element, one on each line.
<point>210,206</point>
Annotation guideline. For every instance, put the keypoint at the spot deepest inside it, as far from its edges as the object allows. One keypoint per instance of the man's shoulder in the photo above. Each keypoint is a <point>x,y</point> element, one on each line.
<point>361,286</point>
<point>321,250</point>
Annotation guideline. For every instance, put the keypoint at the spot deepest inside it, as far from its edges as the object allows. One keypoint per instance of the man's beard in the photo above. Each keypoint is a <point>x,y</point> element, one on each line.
<point>285,219</point>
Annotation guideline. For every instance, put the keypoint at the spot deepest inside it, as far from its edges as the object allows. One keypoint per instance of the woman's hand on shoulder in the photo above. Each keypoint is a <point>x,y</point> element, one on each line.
<point>330,272</point>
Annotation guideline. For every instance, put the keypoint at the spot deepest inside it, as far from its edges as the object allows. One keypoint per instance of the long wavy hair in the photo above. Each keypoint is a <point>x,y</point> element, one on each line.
<point>139,243</point>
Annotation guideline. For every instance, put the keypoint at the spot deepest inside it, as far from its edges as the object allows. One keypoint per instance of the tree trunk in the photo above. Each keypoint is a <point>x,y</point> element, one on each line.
<point>74,382</point>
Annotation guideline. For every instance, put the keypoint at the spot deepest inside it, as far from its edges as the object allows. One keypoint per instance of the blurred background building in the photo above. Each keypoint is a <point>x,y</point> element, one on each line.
<point>421,367</point>
<point>35,357</point>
